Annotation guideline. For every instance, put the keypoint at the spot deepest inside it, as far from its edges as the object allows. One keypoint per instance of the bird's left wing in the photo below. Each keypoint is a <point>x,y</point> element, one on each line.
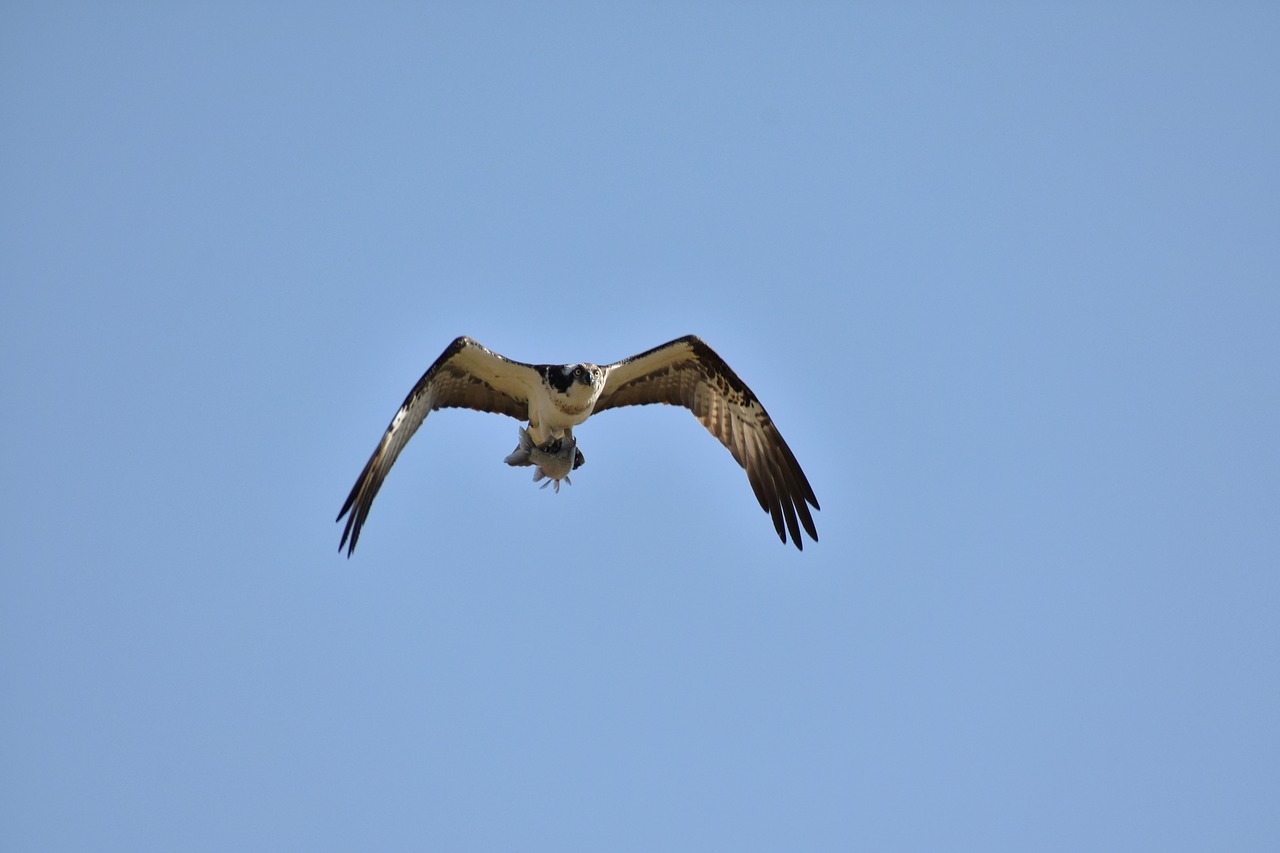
<point>466,375</point>
<point>686,372</point>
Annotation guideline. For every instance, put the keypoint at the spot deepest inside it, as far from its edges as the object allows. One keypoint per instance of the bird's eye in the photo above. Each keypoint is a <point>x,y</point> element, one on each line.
<point>577,371</point>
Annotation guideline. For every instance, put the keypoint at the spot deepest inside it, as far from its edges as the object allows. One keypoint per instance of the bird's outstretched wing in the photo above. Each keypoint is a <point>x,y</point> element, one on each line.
<point>466,375</point>
<point>686,372</point>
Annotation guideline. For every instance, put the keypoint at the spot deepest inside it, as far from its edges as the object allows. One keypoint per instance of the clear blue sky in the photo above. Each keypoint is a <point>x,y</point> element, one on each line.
<point>1007,277</point>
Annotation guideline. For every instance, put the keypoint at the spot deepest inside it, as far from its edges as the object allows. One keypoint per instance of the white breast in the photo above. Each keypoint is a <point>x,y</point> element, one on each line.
<point>548,420</point>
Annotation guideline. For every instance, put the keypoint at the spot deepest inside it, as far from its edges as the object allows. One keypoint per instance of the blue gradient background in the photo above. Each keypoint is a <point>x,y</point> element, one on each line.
<point>1006,275</point>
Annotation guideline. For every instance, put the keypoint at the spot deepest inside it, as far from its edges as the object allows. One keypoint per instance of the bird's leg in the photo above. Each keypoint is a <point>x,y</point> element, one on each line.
<point>557,447</point>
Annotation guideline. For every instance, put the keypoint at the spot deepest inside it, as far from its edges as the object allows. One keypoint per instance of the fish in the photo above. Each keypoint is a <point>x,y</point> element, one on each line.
<point>552,462</point>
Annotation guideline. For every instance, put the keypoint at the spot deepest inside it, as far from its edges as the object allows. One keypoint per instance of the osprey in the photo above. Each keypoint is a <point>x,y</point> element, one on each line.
<point>555,398</point>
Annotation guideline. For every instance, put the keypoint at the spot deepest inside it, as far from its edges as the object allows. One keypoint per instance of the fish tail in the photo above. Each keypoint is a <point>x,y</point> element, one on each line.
<point>520,456</point>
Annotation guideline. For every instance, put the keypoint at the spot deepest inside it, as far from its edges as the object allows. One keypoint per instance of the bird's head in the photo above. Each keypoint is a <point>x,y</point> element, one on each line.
<point>581,383</point>
<point>578,377</point>
<point>585,374</point>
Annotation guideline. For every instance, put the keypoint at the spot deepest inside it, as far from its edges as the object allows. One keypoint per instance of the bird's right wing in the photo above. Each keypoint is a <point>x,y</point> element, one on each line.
<point>466,375</point>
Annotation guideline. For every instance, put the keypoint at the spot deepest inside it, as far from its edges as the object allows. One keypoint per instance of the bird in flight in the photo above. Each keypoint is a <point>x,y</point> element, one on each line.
<point>555,398</point>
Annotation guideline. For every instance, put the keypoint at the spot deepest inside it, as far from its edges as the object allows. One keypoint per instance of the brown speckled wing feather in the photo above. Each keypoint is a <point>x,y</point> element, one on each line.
<point>466,375</point>
<point>686,372</point>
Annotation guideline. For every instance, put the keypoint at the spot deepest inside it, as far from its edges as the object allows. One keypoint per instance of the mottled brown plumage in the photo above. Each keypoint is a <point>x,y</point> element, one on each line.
<point>686,372</point>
